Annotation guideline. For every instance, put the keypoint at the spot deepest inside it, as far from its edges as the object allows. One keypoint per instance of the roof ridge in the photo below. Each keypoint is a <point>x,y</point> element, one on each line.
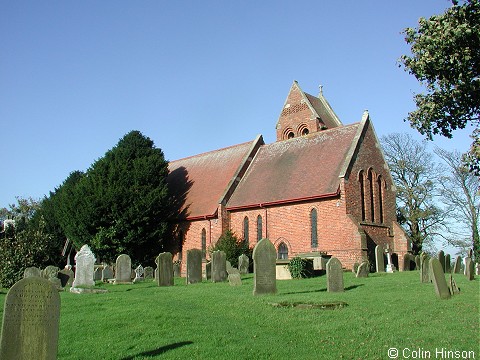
<point>213,151</point>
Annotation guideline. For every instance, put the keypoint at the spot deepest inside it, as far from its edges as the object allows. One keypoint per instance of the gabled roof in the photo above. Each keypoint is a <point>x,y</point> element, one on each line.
<point>199,183</point>
<point>302,168</point>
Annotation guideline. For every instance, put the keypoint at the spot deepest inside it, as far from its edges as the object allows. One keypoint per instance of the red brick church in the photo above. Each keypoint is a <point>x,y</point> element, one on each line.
<point>322,187</point>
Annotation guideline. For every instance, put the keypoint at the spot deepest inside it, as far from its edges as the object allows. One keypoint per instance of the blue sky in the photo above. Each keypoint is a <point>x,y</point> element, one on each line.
<point>193,76</point>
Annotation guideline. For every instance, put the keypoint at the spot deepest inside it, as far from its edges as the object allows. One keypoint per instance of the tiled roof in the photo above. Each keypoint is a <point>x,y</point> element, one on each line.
<point>198,183</point>
<point>305,167</point>
<point>324,111</point>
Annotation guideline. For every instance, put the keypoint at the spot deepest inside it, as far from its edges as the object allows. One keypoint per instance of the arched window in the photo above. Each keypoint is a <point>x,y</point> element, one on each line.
<point>259,227</point>
<point>305,132</point>
<point>282,253</point>
<point>204,243</point>
<point>290,135</point>
<point>245,230</point>
<point>380,199</point>
<point>371,188</point>
<point>313,228</point>
<point>361,180</point>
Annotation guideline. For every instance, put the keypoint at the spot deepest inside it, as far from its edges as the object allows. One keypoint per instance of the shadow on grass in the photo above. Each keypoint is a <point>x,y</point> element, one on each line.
<point>351,287</point>
<point>158,351</point>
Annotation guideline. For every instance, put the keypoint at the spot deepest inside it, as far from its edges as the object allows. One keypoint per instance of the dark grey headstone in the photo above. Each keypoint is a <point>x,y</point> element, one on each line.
<point>441,258</point>
<point>264,263</point>
<point>448,264</point>
<point>417,262</point>
<point>149,272</point>
<point>107,273</point>
<point>219,266</point>
<point>30,321</point>
<point>355,267</point>
<point>177,269</point>
<point>165,269</point>
<point>379,260</point>
<point>32,272</point>
<point>408,262</point>
<point>243,264</point>
<point>84,267</point>
<point>424,268</point>
<point>234,279</point>
<point>123,269</point>
<point>469,269</point>
<point>335,275</point>
<point>438,279</point>
<point>97,275</point>
<point>363,270</point>
<point>208,271</point>
<point>457,268</point>
<point>66,277</point>
<point>194,266</point>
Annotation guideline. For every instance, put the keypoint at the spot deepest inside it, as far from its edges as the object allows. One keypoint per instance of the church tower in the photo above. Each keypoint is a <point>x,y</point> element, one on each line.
<point>303,114</point>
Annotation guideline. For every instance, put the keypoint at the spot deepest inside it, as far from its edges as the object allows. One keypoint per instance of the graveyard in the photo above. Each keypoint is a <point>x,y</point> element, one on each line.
<point>214,320</point>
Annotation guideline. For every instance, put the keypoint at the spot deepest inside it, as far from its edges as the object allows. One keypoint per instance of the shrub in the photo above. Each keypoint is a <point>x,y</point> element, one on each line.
<point>300,268</point>
<point>232,247</point>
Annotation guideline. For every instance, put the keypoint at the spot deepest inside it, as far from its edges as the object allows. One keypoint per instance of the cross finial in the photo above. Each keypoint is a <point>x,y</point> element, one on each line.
<point>320,87</point>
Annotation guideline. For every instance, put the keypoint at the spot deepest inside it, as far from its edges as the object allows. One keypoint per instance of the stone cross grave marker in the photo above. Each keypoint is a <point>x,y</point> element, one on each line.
<point>31,320</point>
<point>390,267</point>
<point>335,275</point>
<point>379,261</point>
<point>123,269</point>
<point>138,273</point>
<point>219,266</point>
<point>194,266</point>
<point>165,269</point>
<point>84,268</point>
<point>264,263</point>
<point>243,264</point>
<point>438,279</point>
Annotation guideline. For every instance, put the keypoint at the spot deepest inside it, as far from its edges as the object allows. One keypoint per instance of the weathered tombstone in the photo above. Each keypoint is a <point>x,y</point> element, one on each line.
<point>441,258</point>
<point>32,272</point>
<point>452,286</point>
<point>31,320</point>
<point>149,272</point>
<point>408,262</point>
<point>165,269</point>
<point>84,267</point>
<point>448,264</point>
<point>355,267</point>
<point>194,266</point>
<point>123,269</point>
<point>438,279</point>
<point>335,275</point>
<point>138,274</point>
<point>424,268</point>
<point>97,274</point>
<point>107,273</point>
<point>469,269</point>
<point>208,271</point>
<point>243,264</point>
<point>66,277</point>
<point>362,270</point>
<point>390,266</point>
<point>379,261</point>
<point>264,259</point>
<point>417,262</point>
<point>177,268</point>
<point>219,266</point>
<point>457,268</point>
<point>234,279</point>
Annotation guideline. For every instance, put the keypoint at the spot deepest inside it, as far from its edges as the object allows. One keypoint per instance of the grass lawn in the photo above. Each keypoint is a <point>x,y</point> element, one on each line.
<point>217,321</point>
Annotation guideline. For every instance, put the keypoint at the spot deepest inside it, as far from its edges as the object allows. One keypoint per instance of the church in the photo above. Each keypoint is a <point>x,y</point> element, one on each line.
<point>321,188</point>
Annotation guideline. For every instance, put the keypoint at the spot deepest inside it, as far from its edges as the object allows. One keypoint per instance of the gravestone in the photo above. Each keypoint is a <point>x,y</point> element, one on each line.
<point>438,279</point>
<point>469,269</point>
<point>164,263</point>
<point>390,266</point>
<point>452,286</point>
<point>219,266</point>
<point>335,275</point>
<point>208,270</point>
<point>243,264</point>
<point>457,268</point>
<point>417,262</point>
<point>477,269</point>
<point>363,270</point>
<point>66,277</point>
<point>379,261</point>
<point>123,269</point>
<point>424,268</point>
<point>177,268</point>
<point>149,272</point>
<point>355,267</point>
<point>194,266</point>
<point>107,273</point>
<point>31,320</point>
<point>138,274</point>
<point>441,258</point>
<point>97,274</point>
<point>448,264</point>
<point>264,263</point>
<point>84,267</point>
<point>408,262</point>
<point>32,272</point>
<point>234,279</point>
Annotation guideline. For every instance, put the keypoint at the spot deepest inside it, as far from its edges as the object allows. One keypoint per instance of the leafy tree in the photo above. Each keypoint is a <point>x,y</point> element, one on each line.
<point>460,193</point>
<point>33,240</point>
<point>231,246</point>
<point>121,204</point>
<point>416,178</point>
<point>446,59</point>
